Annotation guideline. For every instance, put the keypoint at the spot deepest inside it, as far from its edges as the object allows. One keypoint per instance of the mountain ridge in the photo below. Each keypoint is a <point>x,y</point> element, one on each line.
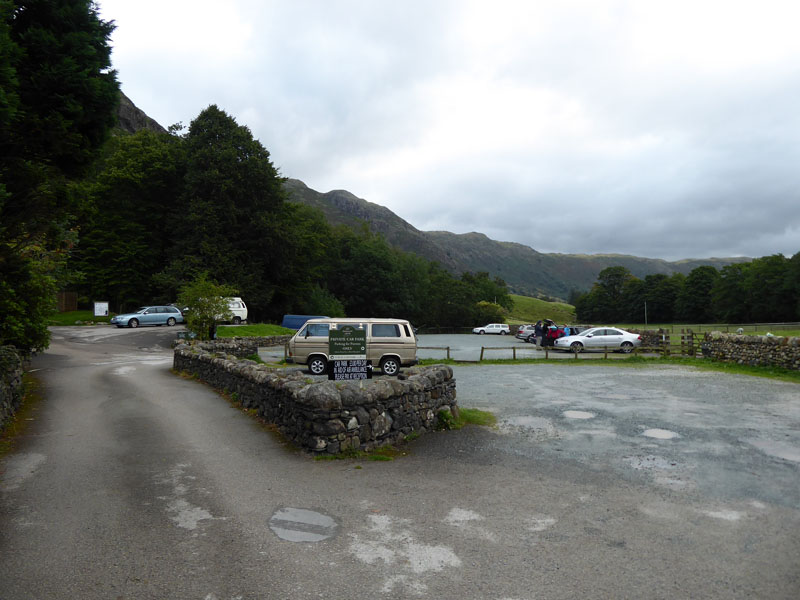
<point>525,270</point>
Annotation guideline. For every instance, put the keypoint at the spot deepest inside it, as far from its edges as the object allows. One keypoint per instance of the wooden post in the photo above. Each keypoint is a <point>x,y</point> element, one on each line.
<point>546,352</point>
<point>514,352</point>
<point>605,351</point>
<point>481,358</point>
<point>448,352</point>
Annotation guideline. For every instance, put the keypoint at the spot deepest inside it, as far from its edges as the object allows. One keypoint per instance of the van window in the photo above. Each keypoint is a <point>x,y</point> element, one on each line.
<point>385,330</point>
<point>317,329</point>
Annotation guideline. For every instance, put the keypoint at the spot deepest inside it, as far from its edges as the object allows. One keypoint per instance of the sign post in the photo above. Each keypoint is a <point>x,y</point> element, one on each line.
<point>347,352</point>
<point>101,309</point>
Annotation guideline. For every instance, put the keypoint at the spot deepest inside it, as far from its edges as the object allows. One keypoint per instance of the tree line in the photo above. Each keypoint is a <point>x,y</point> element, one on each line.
<point>134,219</point>
<point>765,290</point>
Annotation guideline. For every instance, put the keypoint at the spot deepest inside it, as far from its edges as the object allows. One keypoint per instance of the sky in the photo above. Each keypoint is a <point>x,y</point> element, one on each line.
<point>667,129</point>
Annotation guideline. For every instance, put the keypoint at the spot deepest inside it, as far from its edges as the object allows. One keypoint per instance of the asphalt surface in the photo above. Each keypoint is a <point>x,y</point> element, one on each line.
<point>599,482</point>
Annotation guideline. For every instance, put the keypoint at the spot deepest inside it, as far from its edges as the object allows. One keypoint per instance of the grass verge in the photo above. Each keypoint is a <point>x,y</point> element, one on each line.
<point>254,330</point>
<point>76,317</point>
<point>26,413</point>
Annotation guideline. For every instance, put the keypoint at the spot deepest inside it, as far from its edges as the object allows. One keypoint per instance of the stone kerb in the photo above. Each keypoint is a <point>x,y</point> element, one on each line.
<point>10,383</point>
<point>240,347</point>
<point>327,416</point>
<point>756,350</point>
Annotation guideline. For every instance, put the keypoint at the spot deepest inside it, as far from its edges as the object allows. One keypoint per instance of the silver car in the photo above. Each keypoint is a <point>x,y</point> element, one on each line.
<point>149,315</point>
<point>598,338</point>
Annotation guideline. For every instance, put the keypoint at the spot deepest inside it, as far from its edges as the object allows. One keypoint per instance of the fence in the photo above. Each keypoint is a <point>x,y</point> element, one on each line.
<point>685,343</point>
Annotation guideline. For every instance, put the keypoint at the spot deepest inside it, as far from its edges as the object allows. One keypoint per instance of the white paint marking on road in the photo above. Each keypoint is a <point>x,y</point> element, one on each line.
<point>782,450</point>
<point>578,414</point>
<point>660,434</point>
<point>390,541</point>
<point>184,514</point>
<point>725,515</point>
<point>540,522</point>
<point>464,519</point>
<point>301,525</point>
<point>124,370</point>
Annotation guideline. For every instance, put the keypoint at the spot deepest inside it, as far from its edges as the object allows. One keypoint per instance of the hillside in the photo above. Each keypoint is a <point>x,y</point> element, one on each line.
<point>526,271</point>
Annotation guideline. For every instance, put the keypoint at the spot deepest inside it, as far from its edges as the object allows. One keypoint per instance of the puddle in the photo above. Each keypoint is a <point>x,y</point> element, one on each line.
<point>578,414</point>
<point>782,450</point>
<point>301,525</point>
<point>660,434</point>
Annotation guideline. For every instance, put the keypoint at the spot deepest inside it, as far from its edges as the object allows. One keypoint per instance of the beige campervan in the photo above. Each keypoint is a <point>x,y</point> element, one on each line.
<point>391,343</point>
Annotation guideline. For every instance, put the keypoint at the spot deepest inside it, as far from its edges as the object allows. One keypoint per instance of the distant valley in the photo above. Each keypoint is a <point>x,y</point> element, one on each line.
<point>526,271</point>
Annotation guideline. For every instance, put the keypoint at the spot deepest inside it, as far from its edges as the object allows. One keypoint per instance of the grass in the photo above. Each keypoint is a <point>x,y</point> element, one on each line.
<point>530,310</point>
<point>26,413</point>
<point>789,329</point>
<point>254,330</point>
<point>71,318</point>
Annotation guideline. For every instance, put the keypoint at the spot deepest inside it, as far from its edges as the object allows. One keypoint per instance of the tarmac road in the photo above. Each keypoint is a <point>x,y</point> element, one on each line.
<point>599,482</point>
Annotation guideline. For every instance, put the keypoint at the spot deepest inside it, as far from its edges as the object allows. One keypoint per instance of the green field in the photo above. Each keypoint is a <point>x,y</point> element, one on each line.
<point>530,310</point>
<point>255,330</point>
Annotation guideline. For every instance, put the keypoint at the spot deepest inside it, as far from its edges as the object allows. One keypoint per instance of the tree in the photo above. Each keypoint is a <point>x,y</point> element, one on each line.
<point>234,222</point>
<point>132,210</point>
<point>57,101</point>
<point>694,303</point>
<point>207,304</point>
<point>729,298</point>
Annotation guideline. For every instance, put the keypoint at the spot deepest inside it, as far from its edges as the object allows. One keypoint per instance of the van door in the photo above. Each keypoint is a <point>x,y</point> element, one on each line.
<point>311,339</point>
<point>390,338</point>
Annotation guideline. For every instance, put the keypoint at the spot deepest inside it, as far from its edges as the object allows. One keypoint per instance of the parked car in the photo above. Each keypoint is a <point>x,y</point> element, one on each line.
<point>598,338</point>
<point>525,331</point>
<point>498,328</point>
<point>391,343</point>
<point>149,315</point>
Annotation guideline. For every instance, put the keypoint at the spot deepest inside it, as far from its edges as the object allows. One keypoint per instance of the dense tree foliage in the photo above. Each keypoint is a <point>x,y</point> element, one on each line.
<point>766,290</point>
<point>57,101</point>
<point>162,209</point>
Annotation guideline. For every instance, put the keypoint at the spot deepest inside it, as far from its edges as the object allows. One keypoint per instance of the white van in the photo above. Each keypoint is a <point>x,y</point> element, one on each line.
<point>238,310</point>
<point>391,343</point>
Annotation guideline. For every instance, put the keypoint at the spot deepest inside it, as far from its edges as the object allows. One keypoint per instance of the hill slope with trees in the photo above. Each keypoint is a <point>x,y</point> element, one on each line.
<point>526,271</point>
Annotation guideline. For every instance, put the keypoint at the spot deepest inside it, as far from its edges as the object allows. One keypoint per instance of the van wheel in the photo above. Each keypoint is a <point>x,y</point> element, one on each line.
<point>237,320</point>
<point>390,366</point>
<point>317,365</point>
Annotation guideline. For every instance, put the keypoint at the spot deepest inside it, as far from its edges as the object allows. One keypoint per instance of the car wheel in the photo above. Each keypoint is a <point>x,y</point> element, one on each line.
<point>237,321</point>
<point>390,366</point>
<point>317,365</point>
<point>481,332</point>
<point>171,321</point>
<point>503,332</point>
<point>576,347</point>
<point>531,339</point>
<point>133,323</point>
<point>626,347</point>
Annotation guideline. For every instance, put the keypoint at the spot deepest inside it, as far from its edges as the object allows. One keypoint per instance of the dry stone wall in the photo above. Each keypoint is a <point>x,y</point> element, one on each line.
<point>761,350</point>
<point>10,383</point>
<point>327,416</point>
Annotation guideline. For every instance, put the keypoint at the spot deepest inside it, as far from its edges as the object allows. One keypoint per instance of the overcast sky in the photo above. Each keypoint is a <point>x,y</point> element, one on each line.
<point>662,129</point>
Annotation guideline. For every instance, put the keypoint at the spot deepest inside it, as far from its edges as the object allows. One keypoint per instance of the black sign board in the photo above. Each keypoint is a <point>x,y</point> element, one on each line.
<point>347,351</point>
<point>344,370</point>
